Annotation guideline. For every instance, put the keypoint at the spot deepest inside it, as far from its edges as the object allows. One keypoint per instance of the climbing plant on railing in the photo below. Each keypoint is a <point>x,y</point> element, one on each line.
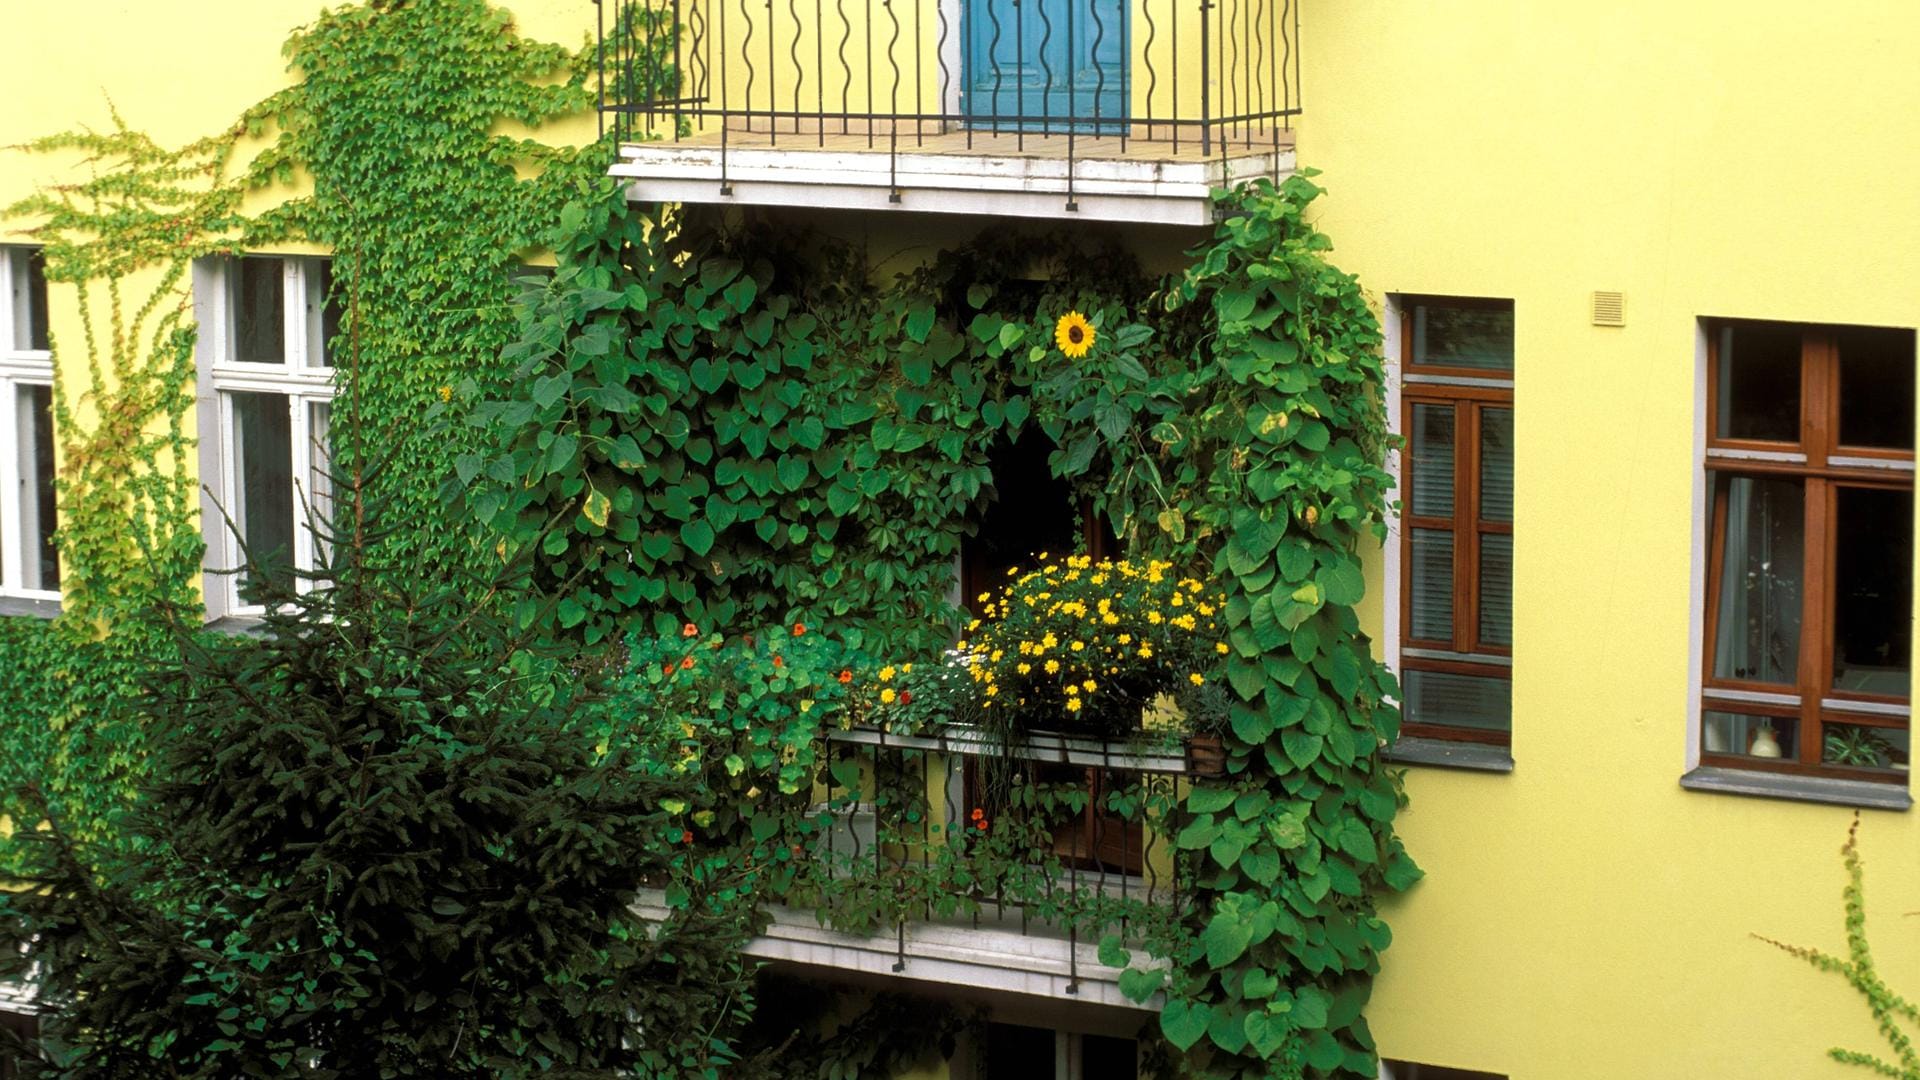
<point>740,430</point>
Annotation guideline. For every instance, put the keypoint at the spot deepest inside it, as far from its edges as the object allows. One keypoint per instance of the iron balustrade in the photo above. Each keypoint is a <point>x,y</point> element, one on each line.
<point>1059,836</point>
<point>1072,78</point>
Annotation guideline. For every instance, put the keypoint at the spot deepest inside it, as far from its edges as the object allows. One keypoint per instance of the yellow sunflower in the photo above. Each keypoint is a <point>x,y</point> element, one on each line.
<point>1073,334</point>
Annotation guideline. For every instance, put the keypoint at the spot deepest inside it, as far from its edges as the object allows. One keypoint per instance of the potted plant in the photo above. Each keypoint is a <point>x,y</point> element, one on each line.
<point>1092,648</point>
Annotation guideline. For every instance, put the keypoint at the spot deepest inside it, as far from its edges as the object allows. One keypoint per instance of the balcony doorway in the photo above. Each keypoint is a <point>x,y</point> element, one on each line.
<point>1049,66</point>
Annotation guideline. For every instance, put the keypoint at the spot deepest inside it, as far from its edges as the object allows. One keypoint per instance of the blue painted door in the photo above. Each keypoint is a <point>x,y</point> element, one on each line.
<point>1045,64</point>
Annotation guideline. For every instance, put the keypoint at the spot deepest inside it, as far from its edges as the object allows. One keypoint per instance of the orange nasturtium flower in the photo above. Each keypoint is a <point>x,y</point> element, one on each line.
<point>686,663</point>
<point>799,628</point>
<point>689,630</point>
<point>846,676</point>
<point>1073,334</point>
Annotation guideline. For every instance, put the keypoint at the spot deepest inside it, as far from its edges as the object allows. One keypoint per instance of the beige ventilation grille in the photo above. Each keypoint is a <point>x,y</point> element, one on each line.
<point>1609,309</point>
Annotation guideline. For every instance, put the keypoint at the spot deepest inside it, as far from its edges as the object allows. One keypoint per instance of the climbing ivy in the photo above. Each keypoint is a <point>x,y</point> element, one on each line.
<point>1894,1014</point>
<point>394,119</point>
<point>738,429</point>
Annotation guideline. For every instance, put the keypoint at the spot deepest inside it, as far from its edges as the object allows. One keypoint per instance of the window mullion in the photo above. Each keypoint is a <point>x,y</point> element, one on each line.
<point>1466,527</point>
<point>1816,612</point>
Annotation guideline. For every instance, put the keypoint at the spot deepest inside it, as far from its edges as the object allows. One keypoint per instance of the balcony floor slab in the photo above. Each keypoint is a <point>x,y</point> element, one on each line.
<point>1096,178</point>
<point>996,958</point>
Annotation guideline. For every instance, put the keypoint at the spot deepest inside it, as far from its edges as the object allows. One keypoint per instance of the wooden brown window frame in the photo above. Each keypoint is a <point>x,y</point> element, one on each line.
<point>1819,446</point>
<point>1469,392</point>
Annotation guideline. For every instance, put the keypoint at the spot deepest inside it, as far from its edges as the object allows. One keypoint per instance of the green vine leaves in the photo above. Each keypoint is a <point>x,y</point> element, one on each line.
<point>738,436</point>
<point>738,433</point>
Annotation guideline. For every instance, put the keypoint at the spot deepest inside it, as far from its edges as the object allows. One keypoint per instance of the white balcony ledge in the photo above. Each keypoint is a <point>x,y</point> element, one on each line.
<point>993,958</point>
<point>1146,180</point>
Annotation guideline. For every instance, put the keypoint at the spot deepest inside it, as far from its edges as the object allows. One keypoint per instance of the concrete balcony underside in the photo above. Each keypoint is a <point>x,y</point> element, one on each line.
<point>1096,178</point>
<point>1000,958</point>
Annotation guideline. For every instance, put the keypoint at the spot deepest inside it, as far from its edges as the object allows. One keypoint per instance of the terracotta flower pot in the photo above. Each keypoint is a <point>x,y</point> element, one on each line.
<point>1206,755</point>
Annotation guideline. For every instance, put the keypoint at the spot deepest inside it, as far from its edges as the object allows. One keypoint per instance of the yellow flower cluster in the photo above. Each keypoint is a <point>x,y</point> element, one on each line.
<point>1075,634</point>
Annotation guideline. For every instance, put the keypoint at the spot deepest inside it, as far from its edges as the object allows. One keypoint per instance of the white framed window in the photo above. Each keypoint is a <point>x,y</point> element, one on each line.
<point>29,560</point>
<point>267,330</point>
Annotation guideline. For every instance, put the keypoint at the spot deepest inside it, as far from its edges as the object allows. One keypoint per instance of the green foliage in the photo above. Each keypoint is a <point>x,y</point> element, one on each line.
<point>428,206</point>
<point>394,118</point>
<point>1892,1012</point>
<point>384,837</point>
<point>735,430</point>
<point>124,239</point>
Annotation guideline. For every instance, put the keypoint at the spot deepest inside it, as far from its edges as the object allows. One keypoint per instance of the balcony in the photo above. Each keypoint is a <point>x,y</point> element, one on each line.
<point>1118,110</point>
<point>952,858</point>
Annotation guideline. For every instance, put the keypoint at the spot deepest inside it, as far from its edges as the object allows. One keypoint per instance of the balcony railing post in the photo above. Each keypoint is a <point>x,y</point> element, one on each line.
<point>1206,79</point>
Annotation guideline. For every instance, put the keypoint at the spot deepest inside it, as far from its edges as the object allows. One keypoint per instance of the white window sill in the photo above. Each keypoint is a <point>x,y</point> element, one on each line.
<point>1449,754</point>
<point>28,607</point>
<point>1863,794</point>
<point>250,625</point>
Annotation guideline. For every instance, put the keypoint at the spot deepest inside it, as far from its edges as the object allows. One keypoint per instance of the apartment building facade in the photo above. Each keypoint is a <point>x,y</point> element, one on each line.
<point>1647,283</point>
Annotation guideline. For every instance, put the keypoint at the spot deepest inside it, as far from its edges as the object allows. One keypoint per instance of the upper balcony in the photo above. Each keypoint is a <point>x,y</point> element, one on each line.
<point>1117,110</point>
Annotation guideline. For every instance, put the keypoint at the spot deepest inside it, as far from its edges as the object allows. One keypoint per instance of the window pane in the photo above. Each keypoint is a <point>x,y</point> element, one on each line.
<point>1106,1058</point>
<point>1432,453</point>
<point>323,315</point>
<point>1018,1052</point>
<point>1749,736</point>
<point>29,277</point>
<point>263,485</point>
<point>1865,747</point>
<point>1873,591</point>
<point>259,311</point>
<point>1469,336</point>
<point>1432,591</point>
<point>1759,382</point>
<point>1496,589</point>
<point>40,561</point>
<point>1876,388</point>
<point>320,484</point>
<point>1469,701</point>
<point>1496,464</point>
<point>1758,636</point>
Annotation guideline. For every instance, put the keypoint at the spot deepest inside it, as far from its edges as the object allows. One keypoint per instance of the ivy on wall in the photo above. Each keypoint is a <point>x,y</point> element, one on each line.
<point>740,431</point>
<point>394,116</point>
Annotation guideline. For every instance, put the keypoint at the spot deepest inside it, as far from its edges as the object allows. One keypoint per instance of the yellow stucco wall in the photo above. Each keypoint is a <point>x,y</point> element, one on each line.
<point>1583,916</point>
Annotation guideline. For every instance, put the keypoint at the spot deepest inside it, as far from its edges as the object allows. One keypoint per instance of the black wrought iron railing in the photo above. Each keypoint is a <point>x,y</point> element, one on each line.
<point>1062,836</point>
<point>1062,77</point>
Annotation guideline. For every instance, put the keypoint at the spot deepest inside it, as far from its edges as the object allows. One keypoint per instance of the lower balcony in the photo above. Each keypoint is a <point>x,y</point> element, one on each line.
<point>1118,110</point>
<point>955,859</point>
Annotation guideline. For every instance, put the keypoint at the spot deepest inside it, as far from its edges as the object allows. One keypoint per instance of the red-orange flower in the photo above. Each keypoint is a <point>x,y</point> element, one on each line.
<point>977,814</point>
<point>846,676</point>
<point>777,662</point>
<point>668,667</point>
<point>799,628</point>
<point>689,630</point>
<point>686,836</point>
<point>686,662</point>
<point>906,697</point>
